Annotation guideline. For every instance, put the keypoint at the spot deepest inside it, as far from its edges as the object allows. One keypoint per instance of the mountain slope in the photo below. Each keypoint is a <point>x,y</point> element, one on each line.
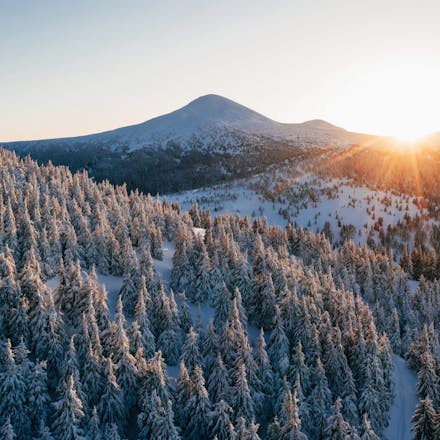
<point>209,140</point>
<point>205,121</point>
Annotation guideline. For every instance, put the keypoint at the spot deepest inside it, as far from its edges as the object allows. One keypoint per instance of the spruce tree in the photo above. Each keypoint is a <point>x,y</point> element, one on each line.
<point>423,420</point>
<point>13,389</point>
<point>110,406</point>
<point>197,408</point>
<point>69,414</point>
<point>7,430</point>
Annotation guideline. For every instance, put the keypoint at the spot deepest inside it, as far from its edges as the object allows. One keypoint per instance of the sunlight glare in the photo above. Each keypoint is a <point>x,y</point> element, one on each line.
<point>397,101</point>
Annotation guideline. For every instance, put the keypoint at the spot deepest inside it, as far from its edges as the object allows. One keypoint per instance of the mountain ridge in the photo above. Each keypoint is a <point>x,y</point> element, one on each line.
<point>198,118</point>
<point>210,140</point>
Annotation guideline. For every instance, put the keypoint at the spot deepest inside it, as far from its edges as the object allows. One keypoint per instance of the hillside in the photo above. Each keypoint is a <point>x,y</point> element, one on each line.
<point>210,140</point>
<point>208,122</point>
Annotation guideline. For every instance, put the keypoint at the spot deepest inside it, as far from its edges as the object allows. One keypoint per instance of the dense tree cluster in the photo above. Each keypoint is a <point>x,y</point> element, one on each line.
<point>294,340</point>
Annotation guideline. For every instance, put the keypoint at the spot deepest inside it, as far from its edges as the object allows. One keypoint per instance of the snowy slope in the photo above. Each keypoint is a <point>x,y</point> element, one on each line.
<point>404,403</point>
<point>203,123</point>
<point>349,204</point>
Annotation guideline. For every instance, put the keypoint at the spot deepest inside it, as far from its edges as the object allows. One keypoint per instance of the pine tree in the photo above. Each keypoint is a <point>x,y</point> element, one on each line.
<point>291,422</point>
<point>163,425</point>
<point>197,408</point>
<point>222,427</point>
<point>110,406</point>
<point>218,382</point>
<point>141,316</point>
<point>337,428</point>
<point>182,394</point>
<point>71,367</point>
<point>423,421</point>
<point>279,346</point>
<point>427,384</point>
<point>169,344</point>
<point>69,413</point>
<point>94,428</point>
<point>92,376</point>
<point>394,333</point>
<point>13,389</point>
<point>320,400</point>
<point>366,431</point>
<point>190,351</point>
<point>263,301</point>
<point>128,292</point>
<point>124,361</point>
<point>222,303</point>
<point>299,367</point>
<point>210,348</point>
<point>7,430</point>
<point>253,432</point>
<point>39,398</point>
<point>242,401</point>
<point>274,431</point>
<point>44,433</point>
<point>264,368</point>
<point>112,432</point>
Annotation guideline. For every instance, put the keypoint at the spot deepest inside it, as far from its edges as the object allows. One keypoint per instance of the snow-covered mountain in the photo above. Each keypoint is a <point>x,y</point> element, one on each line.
<point>210,140</point>
<point>207,123</point>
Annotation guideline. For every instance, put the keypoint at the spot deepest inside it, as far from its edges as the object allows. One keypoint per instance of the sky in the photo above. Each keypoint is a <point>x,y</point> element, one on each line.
<point>76,67</point>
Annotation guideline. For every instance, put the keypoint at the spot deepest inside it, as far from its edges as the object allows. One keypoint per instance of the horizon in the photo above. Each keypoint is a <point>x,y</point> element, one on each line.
<point>182,107</point>
<point>84,68</point>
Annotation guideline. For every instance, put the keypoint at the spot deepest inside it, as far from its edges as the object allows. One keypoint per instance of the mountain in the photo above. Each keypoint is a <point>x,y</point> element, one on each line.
<point>210,139</point>
<point>206,121</point>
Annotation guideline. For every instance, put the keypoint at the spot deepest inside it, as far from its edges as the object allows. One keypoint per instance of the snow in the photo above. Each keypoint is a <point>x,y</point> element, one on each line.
<point>163,267</point>
<point>348,204</point>
<point>199,231</point>
<point>404,403</point>
<point>413,284</point>
<point>111,283</point>
<point>405,380</point>
<point>208,121</point>
<point>201,313</point>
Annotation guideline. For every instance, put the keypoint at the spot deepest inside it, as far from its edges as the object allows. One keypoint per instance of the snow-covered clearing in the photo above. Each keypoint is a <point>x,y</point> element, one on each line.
<point>337,202</point>
<point>404,402</point>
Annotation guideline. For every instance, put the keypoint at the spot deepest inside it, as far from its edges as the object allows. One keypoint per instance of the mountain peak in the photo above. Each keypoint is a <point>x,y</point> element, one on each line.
<point>212,99</point>
<point>209,120</point>
<point>216,108</point>
<point>321,124</point>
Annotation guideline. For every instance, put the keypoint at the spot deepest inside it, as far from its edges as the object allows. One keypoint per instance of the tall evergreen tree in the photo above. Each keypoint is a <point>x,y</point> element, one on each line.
<point>69,414</point>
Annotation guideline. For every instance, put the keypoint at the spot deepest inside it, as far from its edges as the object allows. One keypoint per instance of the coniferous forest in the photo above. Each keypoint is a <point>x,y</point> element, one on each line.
<point>250,332</point>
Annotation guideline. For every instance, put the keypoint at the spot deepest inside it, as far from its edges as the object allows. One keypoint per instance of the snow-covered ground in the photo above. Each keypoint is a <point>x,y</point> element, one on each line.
<point>208,122</point>
<point>405,401</point>
<point>111,283</point>
<point>338,203</point>
<point>405,379</point>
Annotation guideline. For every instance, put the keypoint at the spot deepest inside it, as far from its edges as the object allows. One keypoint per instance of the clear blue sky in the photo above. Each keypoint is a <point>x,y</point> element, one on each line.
<point>70,67</point>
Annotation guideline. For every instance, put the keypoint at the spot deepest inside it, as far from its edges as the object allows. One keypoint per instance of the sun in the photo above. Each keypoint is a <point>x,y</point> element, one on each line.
<point>409,137</point>
<point>398,101</point>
